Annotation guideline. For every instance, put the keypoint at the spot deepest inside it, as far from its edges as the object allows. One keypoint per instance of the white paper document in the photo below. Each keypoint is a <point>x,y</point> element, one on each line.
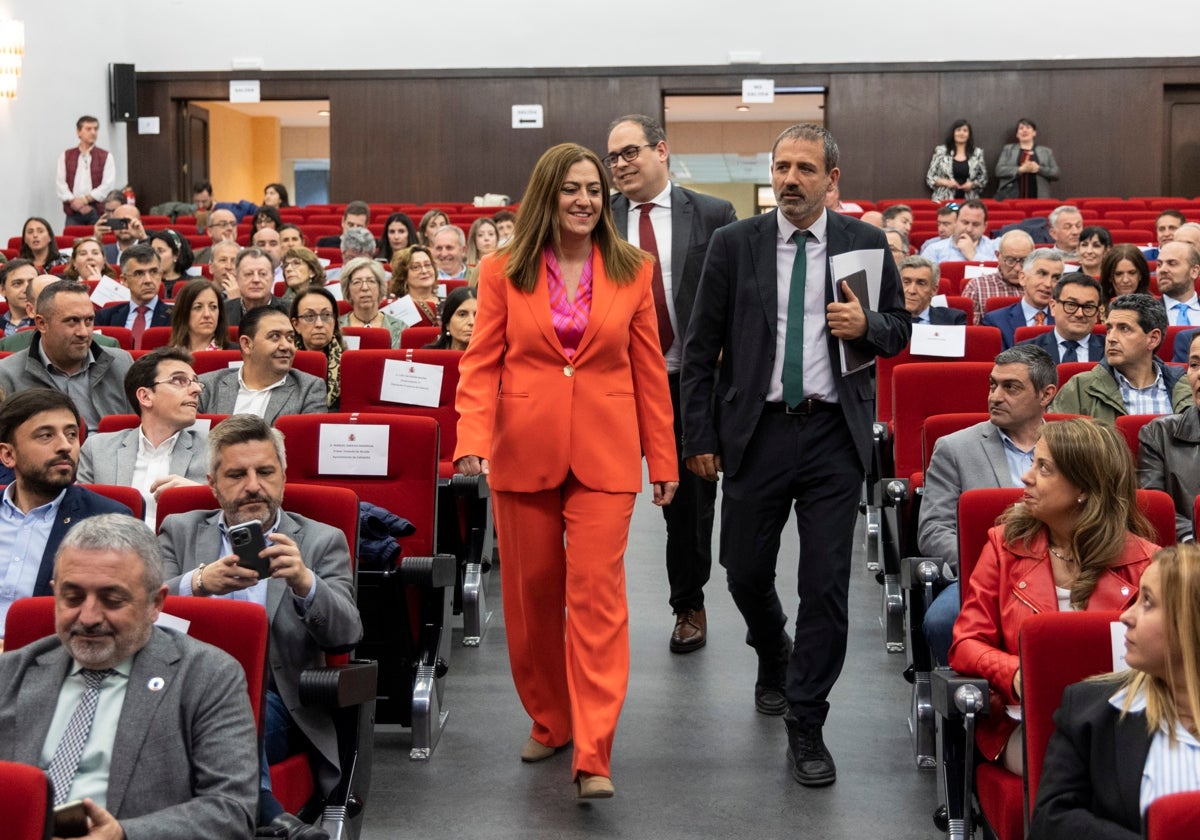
<point>173,622</point>
<point>404,309</point>
<point>1118,646</point>
<point>411,383</point>
<point>970,272</point>
<point>109,291</point>
<point>353,449</point>
<point>863,271</point>
<point>353,342</point>
<point>938,340</point>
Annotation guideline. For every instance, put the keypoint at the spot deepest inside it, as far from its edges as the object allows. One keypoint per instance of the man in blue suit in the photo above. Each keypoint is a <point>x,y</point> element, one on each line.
<point>141,273</point>
<point>1043,268</point>
<point>919,277</point>
<point>39,441</point>
<point>1076,308</point>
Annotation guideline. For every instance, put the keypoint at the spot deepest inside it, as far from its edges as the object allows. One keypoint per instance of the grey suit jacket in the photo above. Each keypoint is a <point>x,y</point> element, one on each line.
<point>106,375</point>
<point>969,459</point>
<point>1169,460</point>
<point>694,218</point>
<point>185,759</point>
<point>297,641</point>
<point>302,393</point>
<point>110,458</point>
<point>735,319</point>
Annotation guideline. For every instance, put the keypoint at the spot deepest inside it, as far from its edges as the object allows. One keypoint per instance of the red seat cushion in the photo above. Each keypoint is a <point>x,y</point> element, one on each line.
<point>1002,800</point>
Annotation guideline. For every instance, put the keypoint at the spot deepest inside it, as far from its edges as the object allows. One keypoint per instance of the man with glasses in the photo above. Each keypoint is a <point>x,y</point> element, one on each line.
<point>1042,269</point>
<point>897,244</point>
<point>164,450</point>
<point>140,272</point>
<point>222,227</point>
<point>1005,280</point>
<point>1076,307</point>
<point>674,224</point>
<point>266,384</point>
<point>968,241</point>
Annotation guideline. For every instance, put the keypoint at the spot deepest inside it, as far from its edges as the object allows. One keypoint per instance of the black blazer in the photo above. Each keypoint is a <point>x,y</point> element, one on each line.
<point>79,503</point>
<point>947,315</point>
<point>697,215</point>
<point>1092,774</point>
<point>1049,342</point>
<point>116,316</point>
<point>734,320</point>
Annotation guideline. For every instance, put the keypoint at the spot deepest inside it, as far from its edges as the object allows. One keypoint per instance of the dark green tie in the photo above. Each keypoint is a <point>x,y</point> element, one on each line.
<point>793,347</point>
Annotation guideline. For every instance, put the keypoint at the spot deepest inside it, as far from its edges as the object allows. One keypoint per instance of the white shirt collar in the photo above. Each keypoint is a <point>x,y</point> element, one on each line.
<point>816,230</point>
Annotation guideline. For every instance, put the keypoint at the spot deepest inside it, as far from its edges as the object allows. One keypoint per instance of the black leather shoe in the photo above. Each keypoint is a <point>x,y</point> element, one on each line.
<point>293,828</point>
<point>769,695</point>
<point>808,760</point>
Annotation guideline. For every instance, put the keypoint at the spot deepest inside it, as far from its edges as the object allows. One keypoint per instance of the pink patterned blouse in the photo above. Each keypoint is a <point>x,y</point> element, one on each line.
<point>570,317</point>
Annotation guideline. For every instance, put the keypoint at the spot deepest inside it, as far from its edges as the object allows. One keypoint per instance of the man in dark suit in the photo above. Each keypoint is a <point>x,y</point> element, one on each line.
<point>1042,269</point>
<point>141,273</point>
<point>1076,309</point>
<point>786,425</point>
<point>255,272</point>
<point>39,442</point>
<point>170,749</point>
<point>680,224</point>
<point>919,278</point>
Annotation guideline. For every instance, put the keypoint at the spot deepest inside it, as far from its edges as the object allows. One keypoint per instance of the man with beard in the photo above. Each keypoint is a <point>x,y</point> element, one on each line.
<point>308,596</point>
<point>786,426</point>
<point>39,442</point>
<point>152,730</point>
<point>266,384</point>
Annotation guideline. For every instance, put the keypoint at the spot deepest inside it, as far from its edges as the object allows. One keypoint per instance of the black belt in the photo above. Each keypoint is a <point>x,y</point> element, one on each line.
<point>805,408</point>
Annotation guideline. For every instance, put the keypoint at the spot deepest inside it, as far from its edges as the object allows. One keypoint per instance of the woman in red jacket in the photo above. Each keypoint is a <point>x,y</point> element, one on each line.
<point>1076,541</point>
<point>562,389</point>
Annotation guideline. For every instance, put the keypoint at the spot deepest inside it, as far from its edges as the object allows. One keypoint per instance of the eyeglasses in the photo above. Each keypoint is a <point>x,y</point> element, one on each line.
<point>181,381</point>
<point>317,317</point>
<point>1012,261</point>
<point>363,283</point>
<point>1073,306</point>
<point>629,153</point>
<point>225,223</point>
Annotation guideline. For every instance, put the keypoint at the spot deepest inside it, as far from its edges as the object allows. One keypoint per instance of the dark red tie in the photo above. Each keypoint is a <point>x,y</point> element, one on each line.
<point>139,326</point>
<point>666,335</point>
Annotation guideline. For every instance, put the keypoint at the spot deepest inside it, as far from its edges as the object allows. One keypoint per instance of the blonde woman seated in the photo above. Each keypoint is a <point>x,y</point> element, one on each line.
<point>301,268</point>
<point>414,274</point>
<point>362,287</point>
<point>87,261</point>
<point>1076,541</point>
<point>1125,739</point>
<point>198,319</point>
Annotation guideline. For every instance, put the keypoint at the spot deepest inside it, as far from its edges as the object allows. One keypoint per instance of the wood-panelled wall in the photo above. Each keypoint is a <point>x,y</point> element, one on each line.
<point>411,136</point>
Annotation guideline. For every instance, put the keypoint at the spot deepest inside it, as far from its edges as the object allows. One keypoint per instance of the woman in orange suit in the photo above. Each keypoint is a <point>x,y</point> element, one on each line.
<point>562,390</point>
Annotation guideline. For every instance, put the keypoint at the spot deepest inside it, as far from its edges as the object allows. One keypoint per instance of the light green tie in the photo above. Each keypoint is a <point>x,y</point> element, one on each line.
<point>793,347</point>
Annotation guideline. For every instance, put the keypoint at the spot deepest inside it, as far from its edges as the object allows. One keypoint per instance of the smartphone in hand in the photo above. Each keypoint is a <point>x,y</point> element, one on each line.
<point>248,541</point>
<point>70,819</point>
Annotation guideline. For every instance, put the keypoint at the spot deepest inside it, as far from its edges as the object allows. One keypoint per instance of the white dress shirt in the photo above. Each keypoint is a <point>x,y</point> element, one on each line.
<point>660,220</point>
<point>819,383</point>
<point>81,179</point>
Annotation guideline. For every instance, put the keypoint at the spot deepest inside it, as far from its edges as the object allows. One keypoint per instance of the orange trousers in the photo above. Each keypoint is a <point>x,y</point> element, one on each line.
<point>562,571</point>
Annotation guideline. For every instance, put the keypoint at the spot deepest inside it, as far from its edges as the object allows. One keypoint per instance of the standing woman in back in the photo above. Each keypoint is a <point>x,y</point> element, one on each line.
<point>562,390</point>
<point>957,170</point>
<point>1024,168</point>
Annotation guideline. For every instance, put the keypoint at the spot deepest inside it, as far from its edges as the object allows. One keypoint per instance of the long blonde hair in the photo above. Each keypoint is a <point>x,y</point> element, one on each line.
<point>537,223</point>
<point>1179,599</point>
<point>1092,456</point>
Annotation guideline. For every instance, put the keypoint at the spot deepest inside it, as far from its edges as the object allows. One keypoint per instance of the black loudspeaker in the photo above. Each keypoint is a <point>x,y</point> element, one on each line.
<point>122,93</point>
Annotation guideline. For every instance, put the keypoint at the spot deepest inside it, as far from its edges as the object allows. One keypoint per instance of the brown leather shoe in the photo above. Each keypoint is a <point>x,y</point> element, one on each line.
<point>534,751</point>
<point>691,631</point>
<point>588,786</point>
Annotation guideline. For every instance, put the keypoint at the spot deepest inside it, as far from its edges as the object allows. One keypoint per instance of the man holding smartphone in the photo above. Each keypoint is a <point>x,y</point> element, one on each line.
<point>125,223</point>
<point>308,592</point>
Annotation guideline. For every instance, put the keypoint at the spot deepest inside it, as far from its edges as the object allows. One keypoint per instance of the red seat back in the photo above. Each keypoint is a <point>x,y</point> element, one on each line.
<point>982,345</point>
<point>415,338</point>
<point>1174,817</point>
<point>922,389</point>
<point>309,361</point>
<point>368,338</point>
<point>28,814</point>
<point>122,494</point>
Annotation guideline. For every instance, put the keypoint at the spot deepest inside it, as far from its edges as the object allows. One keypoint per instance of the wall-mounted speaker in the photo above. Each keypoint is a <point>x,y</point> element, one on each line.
<point>122,92</point>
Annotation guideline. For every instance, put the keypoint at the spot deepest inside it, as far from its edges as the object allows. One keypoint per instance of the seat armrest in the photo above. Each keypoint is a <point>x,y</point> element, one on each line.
<point>339,686</point>
<point>955,694</point>
<point>437,571</point>
<point>469,486</point>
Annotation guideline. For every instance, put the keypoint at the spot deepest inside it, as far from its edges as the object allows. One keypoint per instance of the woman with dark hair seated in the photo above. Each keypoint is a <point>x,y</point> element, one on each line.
<point>1094,242</point>
<point>266,217</point>
<point>38,246</point>
<point>301,268</point>
<point>1076,541</point>
<point>87,261</point>
<point>314,317</point>
<point>198,319</point>
<point>1125,739</point>
<point>458,320</point>
<point>275,196</point>
<point>1123,271</point>
<point>174,257</point>
<point>398,234</point>
<point>414,274</point>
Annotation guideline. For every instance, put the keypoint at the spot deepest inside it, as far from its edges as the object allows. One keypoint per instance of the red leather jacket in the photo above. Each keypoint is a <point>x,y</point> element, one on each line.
<point>1009,584</point>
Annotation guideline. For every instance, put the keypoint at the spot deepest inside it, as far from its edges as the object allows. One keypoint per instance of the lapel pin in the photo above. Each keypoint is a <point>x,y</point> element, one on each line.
<point>66,520</point>
<point>155,684</point>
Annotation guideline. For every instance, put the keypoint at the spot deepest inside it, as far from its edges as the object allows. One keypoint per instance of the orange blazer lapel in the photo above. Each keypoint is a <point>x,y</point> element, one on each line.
<point>604,294</point>
<point>539,309</point>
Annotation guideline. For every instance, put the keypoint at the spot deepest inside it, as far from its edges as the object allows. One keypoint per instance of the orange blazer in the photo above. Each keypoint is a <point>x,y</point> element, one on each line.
<point>535,415</point>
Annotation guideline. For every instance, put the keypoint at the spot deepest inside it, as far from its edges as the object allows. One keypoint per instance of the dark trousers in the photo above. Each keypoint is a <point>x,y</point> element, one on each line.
<point>87,217</point>
<point>808,461</point>
<point>689,526</point>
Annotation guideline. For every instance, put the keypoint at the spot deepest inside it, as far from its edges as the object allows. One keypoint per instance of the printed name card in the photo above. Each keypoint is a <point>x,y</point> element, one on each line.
<point>173,622</point>
<point>970,272</point>
<point>411,383</point>
<point>353,449</point>
<point>405,310</point>
<point>353,342</point>
<point>109,291</point>
<point>938,340</point>
<point>202,426</point>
